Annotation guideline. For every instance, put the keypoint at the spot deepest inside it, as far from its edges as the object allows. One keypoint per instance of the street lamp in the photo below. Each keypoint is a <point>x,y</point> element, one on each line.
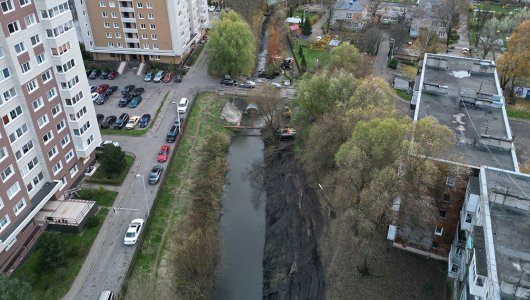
<point>145,195</point>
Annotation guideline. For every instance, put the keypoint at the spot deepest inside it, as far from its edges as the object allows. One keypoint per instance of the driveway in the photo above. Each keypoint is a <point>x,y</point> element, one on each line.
<point>108,260</point>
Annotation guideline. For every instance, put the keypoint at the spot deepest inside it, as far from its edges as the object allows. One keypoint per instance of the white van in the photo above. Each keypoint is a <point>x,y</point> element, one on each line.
<point>106,295</point>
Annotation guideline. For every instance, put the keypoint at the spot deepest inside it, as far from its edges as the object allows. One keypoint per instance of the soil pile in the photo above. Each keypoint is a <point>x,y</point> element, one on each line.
<point>291,265</point>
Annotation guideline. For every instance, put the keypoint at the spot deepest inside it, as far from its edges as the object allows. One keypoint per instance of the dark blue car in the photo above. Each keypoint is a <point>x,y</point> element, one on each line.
<point>144,120</point>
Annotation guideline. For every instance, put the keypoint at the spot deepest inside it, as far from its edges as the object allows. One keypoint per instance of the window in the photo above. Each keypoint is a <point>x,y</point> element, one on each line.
<point>13,27</point>
<point>104,15</point>
<point>30,20</point>
<point>13,114</point>
<point>113,15</point>
<point>20,48</point>
<point>19,206</point>
<point>469,218</point>
<point>59,30</point>
<point>154,57</point>
<point>106,25</point>
<point>68,157</point>
<point>150,16</point>
<point>56,110</point>
<point>442,214</point>
<point>66,67</point>
<point>110,44</point>
<point>144,36</point>
<point>154,37</point>
<point>141,16</point>
<point>7,6</point>
<point>70,84</point>
<point>454,268</point>
<point>155,46</point>
<point>146,46</point>
<point>3,154</point>
<point>450,181</point>
<point>7,173</point>
<point>18,133</point>
<point>1,206</point>
<point>60,126</point>
<point>24,2</point>
<point>47,137</point>
<point>30,166</point>
<point>112,4</point>
<point>25,67</point>
<point>4,222</point>
<point>52,153</point>
<point>102,4</point>
<point>55,11</point>
<point>152,26</point>
<point>120,45</point>
<point>74,99</point>
<point>46,76</point>
<point>57,167</point>
<point>40,58</point>
<point>83,129</point>
<point>108,35</point>
<point>90,139</point>
<point>24,150</point>
<point>35,40</point>
<point>73,171</point>
<point>149,5</point>
<point>51,94</point>
<point>142,26</point>
<point>435,245</point>
<point>447,198</point>
<point>438,231</point>
<point>32,85</point>
<point>65,141</point>
<point>8,95</point>
<point>61,49</point>
<point>117,34</point>
<point>139,5</point>
<point>5,74</point>
<point>13,190</point>
<point>43,121</point>
<point>37,180</point>
<point>116,25</point>
<point>81,113</point>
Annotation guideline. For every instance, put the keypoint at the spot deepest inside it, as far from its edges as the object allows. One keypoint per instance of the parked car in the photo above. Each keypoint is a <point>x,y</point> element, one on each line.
<point>172,134</point>
<point>156,174</point>
<point>111,90</point>
<point>106,295</point>
<point>230,82</point>
<point>163,154</point>
<point>182,107</point>
<point>148,76</point>
<point>248,84</point>
<point>167,77</point>
<point>124,101</point>
<point>121,121</point>
<point>287,133</point>
<point>93,88</point>
<point>126,90</point>
<point>102,98</point>
<point>159,75</point>
<point>144,120</point>
<point>133,232</point>
<point>135,101</point>
<point>108,122</point>
<point>100,118</point>
<point>104,75</point>
<point>107,142</point>
<point>94,74</point>
<point>94,96</point>
<point>113,74</point>
<point>178,78</point>
<point>465,50</point>
<point>218,9</point>
<point>276,84</point>
<point>133,121</point>
<point>137,91</point>
<point>178,121</point>
<point>102,88</point>
<point>88,72</point>
<point>211,8</point>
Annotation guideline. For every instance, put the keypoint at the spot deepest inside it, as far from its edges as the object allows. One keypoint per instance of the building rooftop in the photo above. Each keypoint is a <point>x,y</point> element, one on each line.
<point>464,95</point>
<point>350,5</point>
<point>510,221</point>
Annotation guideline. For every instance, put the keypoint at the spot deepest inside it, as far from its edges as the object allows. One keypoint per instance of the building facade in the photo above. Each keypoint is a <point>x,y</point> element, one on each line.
<point>49,131</point>
<point>132,30</point>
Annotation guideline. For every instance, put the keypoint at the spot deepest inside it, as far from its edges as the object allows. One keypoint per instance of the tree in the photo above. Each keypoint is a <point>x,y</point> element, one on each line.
<point>400,34</point>
<point>345,57</point>
<point>329,8</point>
<point>12,288</point>
<point>450,13</point>
<point>492,32</point>
<point>53,252</point>
<point>291,12</point>
<point>515,62</point>
<point>482,15</point>
<point>300,51</point>
<point>231,46</point>
<point>303,64</point>
<point>369,40</point>
<point>112,160</point>
<point>306,27</point>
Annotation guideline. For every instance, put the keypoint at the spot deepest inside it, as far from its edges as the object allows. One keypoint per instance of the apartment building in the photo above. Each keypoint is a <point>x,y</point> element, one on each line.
<point>355,14</point>
<point>48,131</point>
<point>137,30</point>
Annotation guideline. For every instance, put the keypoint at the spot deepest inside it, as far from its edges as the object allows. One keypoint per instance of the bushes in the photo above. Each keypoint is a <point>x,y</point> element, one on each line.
<point>393,63</point>
<point>101,177</point>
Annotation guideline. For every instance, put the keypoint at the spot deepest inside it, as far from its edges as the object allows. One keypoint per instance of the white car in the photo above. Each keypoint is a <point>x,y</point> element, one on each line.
<point>211,8</point>
<point>94,96</point>
<point>182,107</point>
<point>108,142</point>
<point>133,232</point>
<point>248,84</point>
<point>276,84</point>
<point>133,121</point>
<point>465,50</point>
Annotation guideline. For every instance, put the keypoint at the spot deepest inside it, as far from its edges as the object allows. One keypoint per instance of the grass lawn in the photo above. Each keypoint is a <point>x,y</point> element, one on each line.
<point>136,131</point>
<point>195,55</point>
<point>101,177</point>
<point>313,17</point>
<point>311,55</point>
<point>496,7</point>
<point>516,113</point>
<point>55,283</point>
<point>101,196</point>
<point>174,199</point>
<point>403,94</point>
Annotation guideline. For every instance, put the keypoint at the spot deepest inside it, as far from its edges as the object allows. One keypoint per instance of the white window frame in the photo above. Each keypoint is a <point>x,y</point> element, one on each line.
<point>18,209</point>
<point>4,222</point>
<point>13,190</point>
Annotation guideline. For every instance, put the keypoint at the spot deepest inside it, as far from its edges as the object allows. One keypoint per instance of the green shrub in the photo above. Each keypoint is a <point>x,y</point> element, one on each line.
<point>92,222</point>
<point>393,63</point>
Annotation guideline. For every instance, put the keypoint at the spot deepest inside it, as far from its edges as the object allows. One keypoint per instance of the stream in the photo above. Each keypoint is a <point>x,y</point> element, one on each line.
<point>242,230</point>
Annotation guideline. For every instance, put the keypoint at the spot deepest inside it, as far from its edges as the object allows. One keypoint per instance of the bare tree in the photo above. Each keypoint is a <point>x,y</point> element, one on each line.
<point>329,8</point>
<point>450,13</point>
<point>372,7</point>
<point>481,17</point>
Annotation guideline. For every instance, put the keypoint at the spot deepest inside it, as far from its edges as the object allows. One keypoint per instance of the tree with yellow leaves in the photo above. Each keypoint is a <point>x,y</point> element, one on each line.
<point>515,63</point>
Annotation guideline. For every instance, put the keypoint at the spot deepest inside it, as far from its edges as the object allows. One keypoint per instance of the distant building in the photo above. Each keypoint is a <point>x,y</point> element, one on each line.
<point>355,14</point>
<point>161,31</point>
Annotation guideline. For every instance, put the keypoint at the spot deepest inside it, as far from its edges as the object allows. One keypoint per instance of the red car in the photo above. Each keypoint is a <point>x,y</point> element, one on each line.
<point>102,88</point>
<point>112,74</point>
<point>163,154</point>
<point>167,77</point>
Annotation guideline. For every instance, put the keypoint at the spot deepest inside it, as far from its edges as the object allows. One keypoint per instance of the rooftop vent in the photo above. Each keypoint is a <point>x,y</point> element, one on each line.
<point>483,67</point>
<point>437,63</point>
<point>474,98</point>
<point>436,89</point>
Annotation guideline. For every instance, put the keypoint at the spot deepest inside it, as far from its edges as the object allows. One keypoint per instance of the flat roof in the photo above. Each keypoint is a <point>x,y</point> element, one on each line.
<point>444,81</point>
<point>509,212</point>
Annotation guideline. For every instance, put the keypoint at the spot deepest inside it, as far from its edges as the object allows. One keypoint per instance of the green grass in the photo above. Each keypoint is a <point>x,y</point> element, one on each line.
<point>311,55</point>
<point>138,131</point>
<point>174,200</point>
<point>195,55</point>
<point>497,8</point>
<point>403,94</point>
<point>310,15</point>
<point>101,177</point>
<point>101,196</point>
<point>55,283</point>
<point>517,114</point>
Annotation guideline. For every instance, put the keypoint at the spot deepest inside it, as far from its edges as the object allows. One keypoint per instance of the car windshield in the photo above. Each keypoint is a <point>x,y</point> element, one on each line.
<point>182,104</point>
<point>130,234</point>
<point>153,176</point>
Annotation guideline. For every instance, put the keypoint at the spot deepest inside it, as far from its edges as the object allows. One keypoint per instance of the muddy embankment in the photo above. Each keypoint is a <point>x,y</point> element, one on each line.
<point>291,263</point>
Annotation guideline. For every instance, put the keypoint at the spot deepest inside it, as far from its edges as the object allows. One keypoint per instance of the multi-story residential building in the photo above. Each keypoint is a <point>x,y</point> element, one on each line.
<point>125,30</point>
<point>48,131</point>
<point>355,14</point>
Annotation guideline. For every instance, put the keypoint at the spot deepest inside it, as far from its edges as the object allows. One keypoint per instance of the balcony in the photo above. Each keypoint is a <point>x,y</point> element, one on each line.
<point>130,30</point>
<point>133,40</point>
<point>128,19</point>
<point>126,9</point>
